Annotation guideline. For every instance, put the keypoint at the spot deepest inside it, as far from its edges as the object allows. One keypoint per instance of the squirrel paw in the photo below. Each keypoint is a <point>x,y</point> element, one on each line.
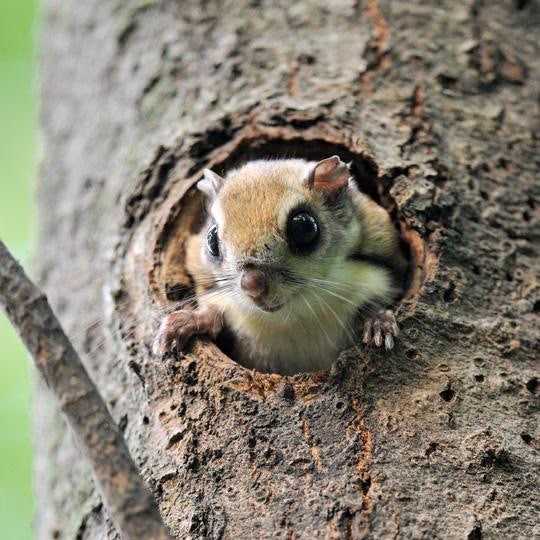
<point>178,327</point>
<point>381,328</point>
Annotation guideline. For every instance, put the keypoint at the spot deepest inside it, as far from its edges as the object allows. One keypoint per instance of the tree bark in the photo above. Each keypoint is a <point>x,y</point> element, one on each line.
<point>437,105</point>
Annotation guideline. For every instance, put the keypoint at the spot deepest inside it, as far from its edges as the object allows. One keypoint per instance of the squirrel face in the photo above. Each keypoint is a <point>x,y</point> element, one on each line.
<point>275,231</point>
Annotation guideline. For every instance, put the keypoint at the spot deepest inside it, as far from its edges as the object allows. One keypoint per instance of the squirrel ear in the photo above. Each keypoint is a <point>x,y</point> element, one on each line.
<point>329,175</point>
<point>210,184</point>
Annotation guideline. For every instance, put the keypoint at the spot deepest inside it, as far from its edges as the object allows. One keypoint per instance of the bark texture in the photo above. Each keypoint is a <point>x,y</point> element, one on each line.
<point>438,106</point>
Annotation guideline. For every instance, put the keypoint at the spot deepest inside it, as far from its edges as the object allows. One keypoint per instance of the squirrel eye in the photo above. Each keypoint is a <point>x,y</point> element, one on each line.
<point>212,241</point>
<point>302,232</point>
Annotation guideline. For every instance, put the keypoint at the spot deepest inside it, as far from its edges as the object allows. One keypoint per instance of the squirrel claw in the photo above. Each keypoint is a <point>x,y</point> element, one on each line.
<point>175,329</point>
<point>178,327</point>
<point>382,328</point>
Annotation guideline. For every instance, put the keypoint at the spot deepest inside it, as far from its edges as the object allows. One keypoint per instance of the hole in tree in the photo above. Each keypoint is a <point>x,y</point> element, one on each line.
<point>431,448</point>
<point>448,393</point>
<point>526,438</point>
<point>449,294</point>
<point>411,354</point>
<point>475,533</point>
<point>363,169</point>
<point>532,385</point>
<point>178,285</point>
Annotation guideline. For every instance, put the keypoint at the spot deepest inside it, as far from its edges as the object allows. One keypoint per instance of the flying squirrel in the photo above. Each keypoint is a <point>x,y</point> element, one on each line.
<point>293,256</point>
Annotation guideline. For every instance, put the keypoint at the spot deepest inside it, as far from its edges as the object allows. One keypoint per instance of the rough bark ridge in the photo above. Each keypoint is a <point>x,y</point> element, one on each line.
<point>437,104</point>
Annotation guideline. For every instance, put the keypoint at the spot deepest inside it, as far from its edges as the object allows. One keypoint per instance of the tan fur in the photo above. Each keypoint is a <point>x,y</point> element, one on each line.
<point>248,226</point>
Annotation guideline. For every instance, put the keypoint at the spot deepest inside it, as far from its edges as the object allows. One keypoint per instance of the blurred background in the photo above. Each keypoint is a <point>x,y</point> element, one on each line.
<point>18,160</point>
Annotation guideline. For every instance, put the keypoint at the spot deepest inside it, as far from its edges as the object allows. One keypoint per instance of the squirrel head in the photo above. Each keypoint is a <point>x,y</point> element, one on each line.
<point>275,225</point>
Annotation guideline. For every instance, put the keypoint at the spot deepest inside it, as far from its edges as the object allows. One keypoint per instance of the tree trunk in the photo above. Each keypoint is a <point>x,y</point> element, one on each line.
<point>437,106</point>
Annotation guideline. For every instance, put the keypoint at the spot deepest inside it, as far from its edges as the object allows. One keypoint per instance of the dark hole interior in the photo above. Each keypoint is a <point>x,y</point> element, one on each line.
<point>363,168</point>
<point>447,394</point>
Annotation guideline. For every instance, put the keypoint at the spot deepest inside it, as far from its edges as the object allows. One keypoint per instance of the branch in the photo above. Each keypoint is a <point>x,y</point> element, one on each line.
<point>131,506</point>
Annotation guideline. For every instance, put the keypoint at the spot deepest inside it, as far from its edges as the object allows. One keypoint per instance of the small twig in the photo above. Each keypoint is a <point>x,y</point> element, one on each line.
<point>130,504</point>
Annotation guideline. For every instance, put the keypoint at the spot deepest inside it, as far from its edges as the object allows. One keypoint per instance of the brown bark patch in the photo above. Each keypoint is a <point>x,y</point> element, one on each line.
<point>378,48</point>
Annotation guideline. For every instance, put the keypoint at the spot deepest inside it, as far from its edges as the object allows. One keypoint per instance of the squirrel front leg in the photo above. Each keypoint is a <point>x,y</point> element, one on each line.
<point>379,241</point>
<point>178,327</point>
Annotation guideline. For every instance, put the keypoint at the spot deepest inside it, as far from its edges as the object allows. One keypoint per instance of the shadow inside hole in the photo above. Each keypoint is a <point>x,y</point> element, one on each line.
<point>363,168</point>
<point>193,216</point>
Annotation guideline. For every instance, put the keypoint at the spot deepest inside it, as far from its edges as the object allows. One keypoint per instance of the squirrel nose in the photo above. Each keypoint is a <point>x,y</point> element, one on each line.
<point>254,283</point>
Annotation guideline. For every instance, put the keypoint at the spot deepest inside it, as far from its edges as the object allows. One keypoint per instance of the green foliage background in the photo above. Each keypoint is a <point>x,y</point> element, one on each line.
<point>18,84</point>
